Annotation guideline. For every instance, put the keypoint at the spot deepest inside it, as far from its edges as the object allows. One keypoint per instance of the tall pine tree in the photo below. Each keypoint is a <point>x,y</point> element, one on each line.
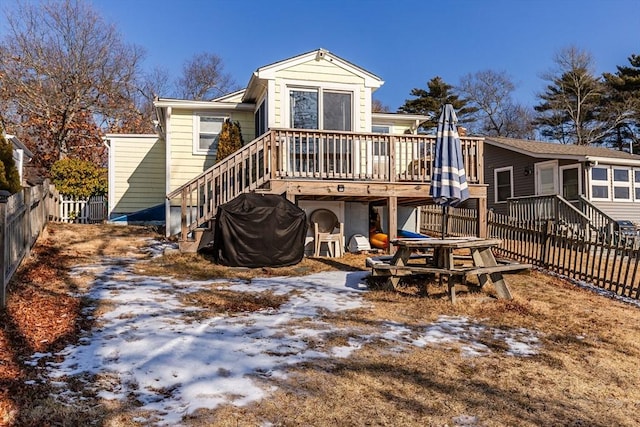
<point>429,102</point>
<point>569,107</point>
<point>623,102</point>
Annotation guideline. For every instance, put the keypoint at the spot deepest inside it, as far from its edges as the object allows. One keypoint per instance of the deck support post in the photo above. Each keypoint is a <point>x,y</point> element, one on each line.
<point>392,222</point>
<point>482,226</point>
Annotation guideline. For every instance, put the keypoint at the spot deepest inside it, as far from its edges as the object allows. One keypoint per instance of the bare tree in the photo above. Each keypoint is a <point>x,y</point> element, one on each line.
<point>64,72</point>
<point>490,92</point>
<point>203,78</point>
<point>378,107</point>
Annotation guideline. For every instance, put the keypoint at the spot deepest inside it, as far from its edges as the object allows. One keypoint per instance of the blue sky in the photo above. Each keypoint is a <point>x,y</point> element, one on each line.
<point>405,42</point>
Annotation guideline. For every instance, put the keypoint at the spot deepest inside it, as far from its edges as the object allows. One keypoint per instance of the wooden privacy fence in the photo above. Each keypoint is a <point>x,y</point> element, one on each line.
<point>24,215</point>
<point>22,218</point>
<point>612,263</point>
<point>461,221</point>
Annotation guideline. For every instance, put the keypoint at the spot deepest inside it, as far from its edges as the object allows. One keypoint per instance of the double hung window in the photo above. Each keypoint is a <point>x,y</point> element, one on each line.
<point>206,134</point>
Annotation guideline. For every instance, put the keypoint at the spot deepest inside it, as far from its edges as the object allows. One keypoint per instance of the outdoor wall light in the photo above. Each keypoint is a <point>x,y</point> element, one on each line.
<point>340,188</point>
<point>527,170</point>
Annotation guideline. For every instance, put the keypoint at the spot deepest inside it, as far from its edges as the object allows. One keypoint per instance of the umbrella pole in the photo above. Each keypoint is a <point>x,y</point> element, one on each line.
<point>445,220</point>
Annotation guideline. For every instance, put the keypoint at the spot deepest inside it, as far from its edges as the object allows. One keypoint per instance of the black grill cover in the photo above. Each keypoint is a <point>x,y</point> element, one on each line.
<point>256,230</point>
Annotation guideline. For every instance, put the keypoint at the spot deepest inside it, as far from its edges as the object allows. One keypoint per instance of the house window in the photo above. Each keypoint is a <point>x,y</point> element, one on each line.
<point>261,119</point>
<point>380,129</point>
<point>206,132</point>
<point>621,184</point>
<point>336,111</point>
<point>503,178</point>
<point>600,183</point>
<point>320,109</point>
<point>636,183</point>
<point>304,109</point>
<point>570,184</point>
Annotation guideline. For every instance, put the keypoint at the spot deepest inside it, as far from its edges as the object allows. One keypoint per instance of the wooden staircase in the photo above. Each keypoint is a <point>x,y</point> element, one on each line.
<point>248,169</point>
<point>580,218</point>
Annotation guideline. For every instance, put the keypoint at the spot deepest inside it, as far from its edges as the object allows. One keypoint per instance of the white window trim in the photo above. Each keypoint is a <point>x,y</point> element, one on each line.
<point>636,184</point>
<point>563,168</point>
<point>495,183</point>
<point>294,85</point>
<point>628,184</point>
<point>383,125</point>
<point>536,170</point>
<point>196,132</point>
<point>599,182</point>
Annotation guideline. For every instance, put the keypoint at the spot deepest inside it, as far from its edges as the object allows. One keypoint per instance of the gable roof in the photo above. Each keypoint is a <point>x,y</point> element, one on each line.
<point>268,72</point>
<point>18,145</point>
<point>564,151</point>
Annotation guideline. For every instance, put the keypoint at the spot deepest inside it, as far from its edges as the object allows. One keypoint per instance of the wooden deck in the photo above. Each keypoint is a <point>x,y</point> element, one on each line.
<point>318,165</point>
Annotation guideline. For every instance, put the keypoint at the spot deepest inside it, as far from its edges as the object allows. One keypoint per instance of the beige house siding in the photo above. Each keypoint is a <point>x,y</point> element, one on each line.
<point>139,180</point>
<point>184,164</point>
<point>319,74</point>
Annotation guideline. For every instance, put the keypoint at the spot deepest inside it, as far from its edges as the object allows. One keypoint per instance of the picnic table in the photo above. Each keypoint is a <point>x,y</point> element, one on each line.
<point>420,256</point>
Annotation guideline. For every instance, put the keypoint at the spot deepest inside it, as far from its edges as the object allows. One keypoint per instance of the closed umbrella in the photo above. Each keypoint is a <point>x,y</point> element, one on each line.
<point>449,179</point>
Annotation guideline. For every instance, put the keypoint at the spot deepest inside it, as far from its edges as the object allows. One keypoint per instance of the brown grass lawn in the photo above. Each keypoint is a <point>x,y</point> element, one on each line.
<point>585,372</point>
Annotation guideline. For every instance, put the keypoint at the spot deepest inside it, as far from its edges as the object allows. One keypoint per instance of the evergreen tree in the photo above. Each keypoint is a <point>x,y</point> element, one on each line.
<point>230,139</point>
<point>623,103</point>
<point>9,175</point>
<point>429,103</point>
<point>569,111</point>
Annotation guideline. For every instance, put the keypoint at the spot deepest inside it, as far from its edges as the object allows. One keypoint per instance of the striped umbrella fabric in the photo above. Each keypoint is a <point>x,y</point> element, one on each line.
<point>449,179</point>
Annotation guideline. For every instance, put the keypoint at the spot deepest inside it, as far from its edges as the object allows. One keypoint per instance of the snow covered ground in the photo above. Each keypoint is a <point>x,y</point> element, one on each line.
<point>173,365</point>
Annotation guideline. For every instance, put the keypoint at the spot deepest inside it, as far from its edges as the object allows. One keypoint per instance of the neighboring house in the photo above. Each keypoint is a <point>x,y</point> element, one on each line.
<point>310,135</point>
<point>608,179</point>
<point>21,156</point>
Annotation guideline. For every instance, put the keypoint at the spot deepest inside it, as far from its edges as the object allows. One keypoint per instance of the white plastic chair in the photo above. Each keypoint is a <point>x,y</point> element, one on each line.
<point>325,223</point>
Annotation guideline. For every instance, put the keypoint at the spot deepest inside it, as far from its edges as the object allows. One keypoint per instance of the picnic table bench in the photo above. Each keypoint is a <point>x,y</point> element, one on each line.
<point>438,258</point>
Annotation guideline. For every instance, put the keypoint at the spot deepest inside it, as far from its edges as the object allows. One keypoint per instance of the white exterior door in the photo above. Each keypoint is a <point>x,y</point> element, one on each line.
<point>546,178</point>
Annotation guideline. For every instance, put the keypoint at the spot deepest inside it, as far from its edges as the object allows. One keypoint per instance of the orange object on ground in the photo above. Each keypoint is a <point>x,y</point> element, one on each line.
<point>379,240</point>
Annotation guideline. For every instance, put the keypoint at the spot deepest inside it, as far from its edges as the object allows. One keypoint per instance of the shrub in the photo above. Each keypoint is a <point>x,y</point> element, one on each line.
<point>79,178</point>
<point>9,175</point>
<point>230,139</point>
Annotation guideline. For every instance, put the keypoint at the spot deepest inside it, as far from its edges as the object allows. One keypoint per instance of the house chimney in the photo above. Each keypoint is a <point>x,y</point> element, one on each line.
<point>462,131</point>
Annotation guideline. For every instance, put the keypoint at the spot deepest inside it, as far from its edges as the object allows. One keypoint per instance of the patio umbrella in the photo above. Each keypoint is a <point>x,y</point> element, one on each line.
<point>449,179</point>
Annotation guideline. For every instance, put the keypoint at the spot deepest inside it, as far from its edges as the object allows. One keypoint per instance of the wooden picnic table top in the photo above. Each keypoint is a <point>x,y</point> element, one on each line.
<point>453,243</point>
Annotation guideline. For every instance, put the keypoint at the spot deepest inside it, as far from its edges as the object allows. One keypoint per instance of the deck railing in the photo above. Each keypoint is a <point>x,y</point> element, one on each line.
<point>319,155</point>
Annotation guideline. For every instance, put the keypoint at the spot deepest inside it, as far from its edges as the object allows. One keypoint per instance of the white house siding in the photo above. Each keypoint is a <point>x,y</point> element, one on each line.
<point>620,210</point>
<point>136,173</point>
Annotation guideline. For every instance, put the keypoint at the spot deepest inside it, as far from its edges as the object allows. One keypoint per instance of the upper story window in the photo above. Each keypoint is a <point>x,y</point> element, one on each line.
<point>503,179</point>
<point>636,183</point>
<point>206,132</point>
<point>320,109</point>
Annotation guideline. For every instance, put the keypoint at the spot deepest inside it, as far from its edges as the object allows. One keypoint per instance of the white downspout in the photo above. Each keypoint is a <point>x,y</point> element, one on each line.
<point>167,170</point>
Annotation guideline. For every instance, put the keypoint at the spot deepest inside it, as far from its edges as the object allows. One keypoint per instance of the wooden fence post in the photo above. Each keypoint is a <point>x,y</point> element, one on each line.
<point>4,198</point>
<point>546,241</point>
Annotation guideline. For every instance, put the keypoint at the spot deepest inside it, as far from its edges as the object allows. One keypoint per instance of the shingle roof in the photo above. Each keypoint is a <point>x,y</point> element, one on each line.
<point>551,149</point>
